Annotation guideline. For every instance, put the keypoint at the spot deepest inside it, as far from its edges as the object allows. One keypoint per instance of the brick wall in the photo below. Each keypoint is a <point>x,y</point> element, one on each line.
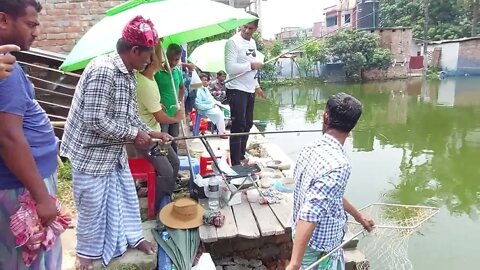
<point>63,22</point>
<point>469,57</point>
<point>396,72</point>
<point>397,40</point>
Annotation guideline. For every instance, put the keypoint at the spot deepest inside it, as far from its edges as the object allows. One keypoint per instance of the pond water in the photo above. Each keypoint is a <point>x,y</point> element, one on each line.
<point>416,143</point>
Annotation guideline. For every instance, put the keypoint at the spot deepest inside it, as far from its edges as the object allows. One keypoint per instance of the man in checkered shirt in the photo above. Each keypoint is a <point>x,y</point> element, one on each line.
<point>321,176</point>
<point>104,110</point>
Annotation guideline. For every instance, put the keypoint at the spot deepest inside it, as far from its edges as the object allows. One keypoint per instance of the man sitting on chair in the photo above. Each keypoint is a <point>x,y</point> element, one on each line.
<point>206,105</point>
<point>150,109</point>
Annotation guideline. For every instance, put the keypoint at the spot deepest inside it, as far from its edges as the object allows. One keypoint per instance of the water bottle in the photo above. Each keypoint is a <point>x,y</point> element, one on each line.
<point>213,192</point>
<point>164,261</point>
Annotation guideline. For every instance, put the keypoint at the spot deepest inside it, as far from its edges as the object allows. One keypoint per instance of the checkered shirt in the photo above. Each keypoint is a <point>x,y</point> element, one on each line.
<point>104,110</point>
<point>321,175</point>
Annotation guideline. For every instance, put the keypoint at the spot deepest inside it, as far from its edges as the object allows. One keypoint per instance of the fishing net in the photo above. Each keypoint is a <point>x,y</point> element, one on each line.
<point>386,247</point>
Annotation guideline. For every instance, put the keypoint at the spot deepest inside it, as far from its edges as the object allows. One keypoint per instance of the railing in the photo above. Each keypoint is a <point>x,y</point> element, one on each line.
<point>54,89</point>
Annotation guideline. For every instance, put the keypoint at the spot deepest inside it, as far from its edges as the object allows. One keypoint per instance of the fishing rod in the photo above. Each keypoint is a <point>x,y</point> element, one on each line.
<point>207,136</point>
<point>298,47</point>
<point>248,133</point>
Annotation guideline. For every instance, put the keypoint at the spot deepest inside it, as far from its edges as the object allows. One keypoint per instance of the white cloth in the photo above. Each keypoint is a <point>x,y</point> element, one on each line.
<point>205,263</point>
<point>239,54</point>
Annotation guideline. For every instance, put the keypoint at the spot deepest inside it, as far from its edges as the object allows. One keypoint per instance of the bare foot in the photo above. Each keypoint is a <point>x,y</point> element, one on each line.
<point>83,264</point>
<point>147,247</point>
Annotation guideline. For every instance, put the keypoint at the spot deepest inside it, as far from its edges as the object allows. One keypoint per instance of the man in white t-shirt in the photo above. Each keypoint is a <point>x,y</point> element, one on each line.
<point>240,57</point>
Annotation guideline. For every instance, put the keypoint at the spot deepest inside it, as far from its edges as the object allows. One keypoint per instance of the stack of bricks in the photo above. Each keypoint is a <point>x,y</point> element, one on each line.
<point>64,22</point>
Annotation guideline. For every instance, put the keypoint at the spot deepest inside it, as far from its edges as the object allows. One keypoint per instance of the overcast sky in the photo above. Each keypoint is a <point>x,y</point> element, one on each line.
<point>285,13</point>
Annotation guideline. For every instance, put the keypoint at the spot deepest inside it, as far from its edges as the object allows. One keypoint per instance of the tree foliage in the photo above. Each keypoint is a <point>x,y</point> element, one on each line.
<point>315,51</point>
<point>447,19</point>
<point>277,48</point>
<point>357,50</point>
<point>381,58</point>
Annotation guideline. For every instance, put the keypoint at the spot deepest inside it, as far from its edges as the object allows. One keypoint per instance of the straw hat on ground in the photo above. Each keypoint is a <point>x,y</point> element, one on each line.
<point>183,213</point>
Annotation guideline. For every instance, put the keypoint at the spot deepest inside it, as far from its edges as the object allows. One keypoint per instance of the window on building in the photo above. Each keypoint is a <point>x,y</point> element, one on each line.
<point>346,18</point>
<point>331,21</point>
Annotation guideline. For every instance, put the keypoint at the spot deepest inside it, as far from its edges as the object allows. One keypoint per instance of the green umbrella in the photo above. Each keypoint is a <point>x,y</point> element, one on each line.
<point>177,21</point>
<point>210,56</point>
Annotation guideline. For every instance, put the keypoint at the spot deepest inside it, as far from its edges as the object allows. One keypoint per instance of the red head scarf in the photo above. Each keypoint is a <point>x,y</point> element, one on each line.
<point>140,32</point>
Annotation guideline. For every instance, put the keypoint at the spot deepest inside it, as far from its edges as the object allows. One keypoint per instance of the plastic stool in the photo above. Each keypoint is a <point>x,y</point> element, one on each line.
<point>184,165</point>
<point>143,169</point>
<point>198,125</point>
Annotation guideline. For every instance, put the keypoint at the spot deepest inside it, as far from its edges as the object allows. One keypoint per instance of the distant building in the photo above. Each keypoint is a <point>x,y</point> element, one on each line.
<point>456,57</point>
<point>367,14</point>
<point>399,41</point>
<point>343,14</point>
<point>319,29</point>
<point>358,14</point>
<point>291,35</point>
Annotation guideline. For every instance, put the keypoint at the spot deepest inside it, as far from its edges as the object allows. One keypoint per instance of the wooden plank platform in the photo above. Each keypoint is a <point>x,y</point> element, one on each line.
<point>246,223</point>
<point>266,220</point>
<point>283,210</point>
<point>249,220</point>
<point>229,229</point>
<point>208,234</point>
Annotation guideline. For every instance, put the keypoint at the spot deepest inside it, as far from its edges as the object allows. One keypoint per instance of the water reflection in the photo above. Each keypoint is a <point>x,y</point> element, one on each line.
<point>436,127</point>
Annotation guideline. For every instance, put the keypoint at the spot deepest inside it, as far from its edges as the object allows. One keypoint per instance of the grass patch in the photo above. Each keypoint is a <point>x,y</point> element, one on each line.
<point>65,187</point>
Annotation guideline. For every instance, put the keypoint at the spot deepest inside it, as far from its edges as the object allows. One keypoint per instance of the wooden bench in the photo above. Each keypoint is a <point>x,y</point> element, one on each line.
<point>250,220</point>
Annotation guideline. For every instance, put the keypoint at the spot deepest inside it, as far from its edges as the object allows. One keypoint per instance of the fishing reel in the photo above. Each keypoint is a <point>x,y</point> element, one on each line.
<point>158,150</point>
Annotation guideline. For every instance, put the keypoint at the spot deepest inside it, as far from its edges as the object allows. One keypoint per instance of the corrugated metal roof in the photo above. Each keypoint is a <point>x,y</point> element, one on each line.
<point>453,40</point>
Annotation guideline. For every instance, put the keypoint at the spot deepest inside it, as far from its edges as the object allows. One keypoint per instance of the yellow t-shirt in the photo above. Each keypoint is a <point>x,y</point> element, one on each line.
<point>148,99</point>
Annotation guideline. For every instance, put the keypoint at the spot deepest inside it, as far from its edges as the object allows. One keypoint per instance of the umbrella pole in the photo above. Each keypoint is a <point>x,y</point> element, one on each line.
<point>182,126</point>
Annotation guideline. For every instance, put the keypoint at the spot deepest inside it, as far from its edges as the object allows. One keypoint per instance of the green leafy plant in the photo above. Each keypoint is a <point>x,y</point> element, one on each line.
<point>358,51</point>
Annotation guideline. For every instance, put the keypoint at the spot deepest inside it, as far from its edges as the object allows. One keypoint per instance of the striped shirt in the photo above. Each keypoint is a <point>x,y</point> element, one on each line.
<point>321,175</point>
<point>104,110</point>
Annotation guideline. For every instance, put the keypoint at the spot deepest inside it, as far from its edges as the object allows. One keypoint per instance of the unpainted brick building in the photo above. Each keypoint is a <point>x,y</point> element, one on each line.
<point>64,22</point>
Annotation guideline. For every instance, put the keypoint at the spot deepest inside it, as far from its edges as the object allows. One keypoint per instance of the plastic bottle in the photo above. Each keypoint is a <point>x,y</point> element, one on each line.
<point>213,192</point>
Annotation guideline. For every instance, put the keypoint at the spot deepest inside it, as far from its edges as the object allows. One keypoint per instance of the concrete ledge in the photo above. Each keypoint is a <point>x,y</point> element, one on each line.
<point>352,243</point>
<point>131,260</point>
<point>352,258</point>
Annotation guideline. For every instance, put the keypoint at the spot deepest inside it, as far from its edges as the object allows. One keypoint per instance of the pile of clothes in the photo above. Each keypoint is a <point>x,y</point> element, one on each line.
<point>29,232</point>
